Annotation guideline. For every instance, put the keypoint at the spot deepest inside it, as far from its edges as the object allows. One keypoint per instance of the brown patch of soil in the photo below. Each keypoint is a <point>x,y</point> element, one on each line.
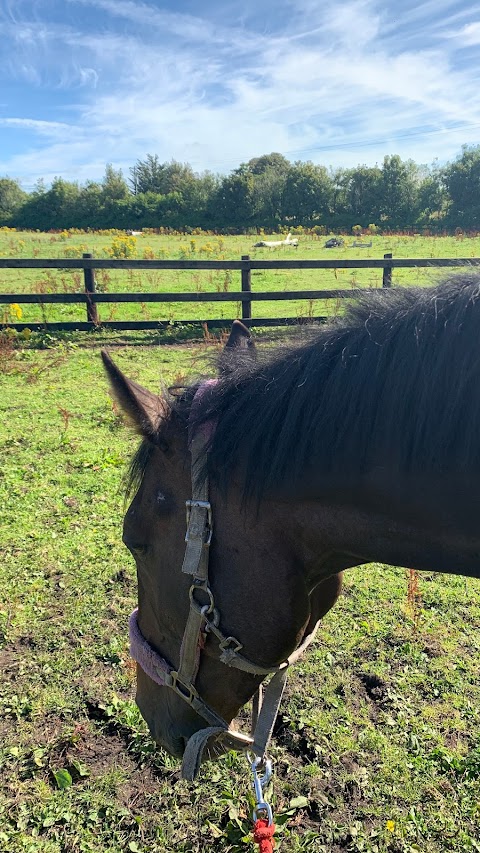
<point>375,687</point>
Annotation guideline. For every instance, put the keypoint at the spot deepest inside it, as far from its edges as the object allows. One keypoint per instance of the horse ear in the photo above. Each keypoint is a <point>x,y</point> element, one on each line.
<point>239,349</point>
<point>144,410</point>
<point>240,338</point>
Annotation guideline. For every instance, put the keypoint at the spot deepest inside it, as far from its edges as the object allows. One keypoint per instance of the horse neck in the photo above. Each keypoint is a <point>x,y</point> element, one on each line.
<point>417,524</point>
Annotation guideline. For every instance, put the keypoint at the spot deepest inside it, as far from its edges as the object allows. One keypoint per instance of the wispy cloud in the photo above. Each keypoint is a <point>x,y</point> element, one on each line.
<point>469,34</point>
<point>111,80</point>
<point>51,129</point>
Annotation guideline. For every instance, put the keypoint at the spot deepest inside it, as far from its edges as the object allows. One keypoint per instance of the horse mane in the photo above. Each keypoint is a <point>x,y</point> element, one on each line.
<point>397,378</point>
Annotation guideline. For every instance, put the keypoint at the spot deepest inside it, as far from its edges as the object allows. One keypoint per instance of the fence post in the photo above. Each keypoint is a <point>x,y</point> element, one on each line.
<point>387,272</point>
<point>89,284</point>
<point>246,288</point>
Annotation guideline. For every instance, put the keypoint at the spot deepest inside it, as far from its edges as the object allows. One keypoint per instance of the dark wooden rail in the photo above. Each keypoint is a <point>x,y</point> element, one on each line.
<point>89,262</point>
<point>246,296</point>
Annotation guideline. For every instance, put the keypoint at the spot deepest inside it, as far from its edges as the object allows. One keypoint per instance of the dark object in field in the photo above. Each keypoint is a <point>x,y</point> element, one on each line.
<point>360,444</point>
<point>333,242</point>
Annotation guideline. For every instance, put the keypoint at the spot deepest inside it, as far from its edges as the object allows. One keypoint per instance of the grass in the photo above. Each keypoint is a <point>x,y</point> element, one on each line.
<point>33,244</point>
<point>377,745</point>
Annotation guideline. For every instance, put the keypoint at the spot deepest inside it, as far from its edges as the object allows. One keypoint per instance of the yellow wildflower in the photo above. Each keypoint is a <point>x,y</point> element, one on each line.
<point>15,309</point>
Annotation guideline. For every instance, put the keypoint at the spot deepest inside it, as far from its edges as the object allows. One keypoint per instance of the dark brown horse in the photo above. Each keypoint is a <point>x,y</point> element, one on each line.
<point>362,444</point>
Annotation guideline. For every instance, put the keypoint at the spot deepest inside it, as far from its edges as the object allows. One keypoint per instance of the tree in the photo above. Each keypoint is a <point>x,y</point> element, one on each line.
<point>201,198</point>
<point>147,175</point>
<point>432,200</point>
<point>114,186</point>
<point>339,179</point>
<point>62,201</point>
<point>268,162</point>
<point>89,207</point>
<point>462,181</point>
<point>114,199</point>
<point>56,207</point>
<point>363,187</point>
<point>399,191</point>
<point>308,193</point>
<point>268,198</point>
<point>235,206</point>
<point>150,175</point>
<point>12,197</point>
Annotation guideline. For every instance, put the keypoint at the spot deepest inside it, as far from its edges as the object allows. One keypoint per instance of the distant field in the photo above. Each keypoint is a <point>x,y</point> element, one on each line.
<point>66,244</point>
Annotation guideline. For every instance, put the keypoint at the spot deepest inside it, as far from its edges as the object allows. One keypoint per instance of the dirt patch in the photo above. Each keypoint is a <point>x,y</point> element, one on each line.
<point>374,686</point>
<point>433,648</point>
<point>301,748</point>
<point>99,751</point>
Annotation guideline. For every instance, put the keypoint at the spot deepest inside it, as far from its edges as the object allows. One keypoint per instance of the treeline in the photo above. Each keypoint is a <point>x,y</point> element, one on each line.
<point>268,192</point>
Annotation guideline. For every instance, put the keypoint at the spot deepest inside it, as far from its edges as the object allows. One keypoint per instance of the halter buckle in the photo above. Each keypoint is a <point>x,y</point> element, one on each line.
<point>186,691</point>
<point>208,522</point>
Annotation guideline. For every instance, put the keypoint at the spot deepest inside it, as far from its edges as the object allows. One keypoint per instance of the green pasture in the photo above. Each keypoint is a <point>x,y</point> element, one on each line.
<point>206,247</point>
<point>378,747</point>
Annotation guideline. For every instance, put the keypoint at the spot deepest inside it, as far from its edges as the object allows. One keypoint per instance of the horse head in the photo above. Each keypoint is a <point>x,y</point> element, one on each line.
<point>267,623</point>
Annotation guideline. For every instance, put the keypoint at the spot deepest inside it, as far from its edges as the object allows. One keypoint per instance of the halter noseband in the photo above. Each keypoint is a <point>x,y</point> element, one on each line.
<point>204,619</point>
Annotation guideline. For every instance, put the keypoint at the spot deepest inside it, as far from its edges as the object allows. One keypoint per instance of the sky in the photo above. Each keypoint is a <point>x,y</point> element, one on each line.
<point>84,83</point>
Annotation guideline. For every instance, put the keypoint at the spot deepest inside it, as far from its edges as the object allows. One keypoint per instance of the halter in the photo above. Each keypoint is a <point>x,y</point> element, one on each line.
<point>204,619</point>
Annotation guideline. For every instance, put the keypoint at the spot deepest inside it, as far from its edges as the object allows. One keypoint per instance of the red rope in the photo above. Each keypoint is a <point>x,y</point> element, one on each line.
<point>263,835</point>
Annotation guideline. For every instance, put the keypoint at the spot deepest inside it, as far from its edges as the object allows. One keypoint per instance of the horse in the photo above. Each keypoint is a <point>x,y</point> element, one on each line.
<point>358,444</point>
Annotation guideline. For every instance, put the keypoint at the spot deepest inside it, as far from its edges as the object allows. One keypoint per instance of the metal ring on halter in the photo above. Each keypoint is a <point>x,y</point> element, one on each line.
<point>214,622</point>
<point>205,609</point>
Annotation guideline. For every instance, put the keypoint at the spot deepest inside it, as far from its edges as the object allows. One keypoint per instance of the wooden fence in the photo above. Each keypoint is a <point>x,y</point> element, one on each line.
<point>91,298</point>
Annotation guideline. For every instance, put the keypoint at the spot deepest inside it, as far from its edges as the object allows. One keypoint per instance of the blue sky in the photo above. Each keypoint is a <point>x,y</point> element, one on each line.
<point>90,82</point>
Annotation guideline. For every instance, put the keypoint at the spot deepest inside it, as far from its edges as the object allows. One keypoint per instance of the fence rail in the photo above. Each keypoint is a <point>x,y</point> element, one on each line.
<point>91,298</point>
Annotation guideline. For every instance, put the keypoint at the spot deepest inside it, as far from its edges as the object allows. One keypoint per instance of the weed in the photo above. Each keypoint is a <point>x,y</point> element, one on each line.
<point>102,280</point>
<point>414,597</point>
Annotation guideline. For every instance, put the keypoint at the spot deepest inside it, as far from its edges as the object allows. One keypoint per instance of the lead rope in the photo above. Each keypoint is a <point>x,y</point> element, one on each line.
<point>263,836</point>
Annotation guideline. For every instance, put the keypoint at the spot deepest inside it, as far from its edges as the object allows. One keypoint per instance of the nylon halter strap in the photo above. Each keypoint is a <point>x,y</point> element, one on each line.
<point>203,619</point>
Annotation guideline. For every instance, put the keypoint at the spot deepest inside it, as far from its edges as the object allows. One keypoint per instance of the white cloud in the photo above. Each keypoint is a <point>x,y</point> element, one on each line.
<point>52,129</point>
<point>470,34</point>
